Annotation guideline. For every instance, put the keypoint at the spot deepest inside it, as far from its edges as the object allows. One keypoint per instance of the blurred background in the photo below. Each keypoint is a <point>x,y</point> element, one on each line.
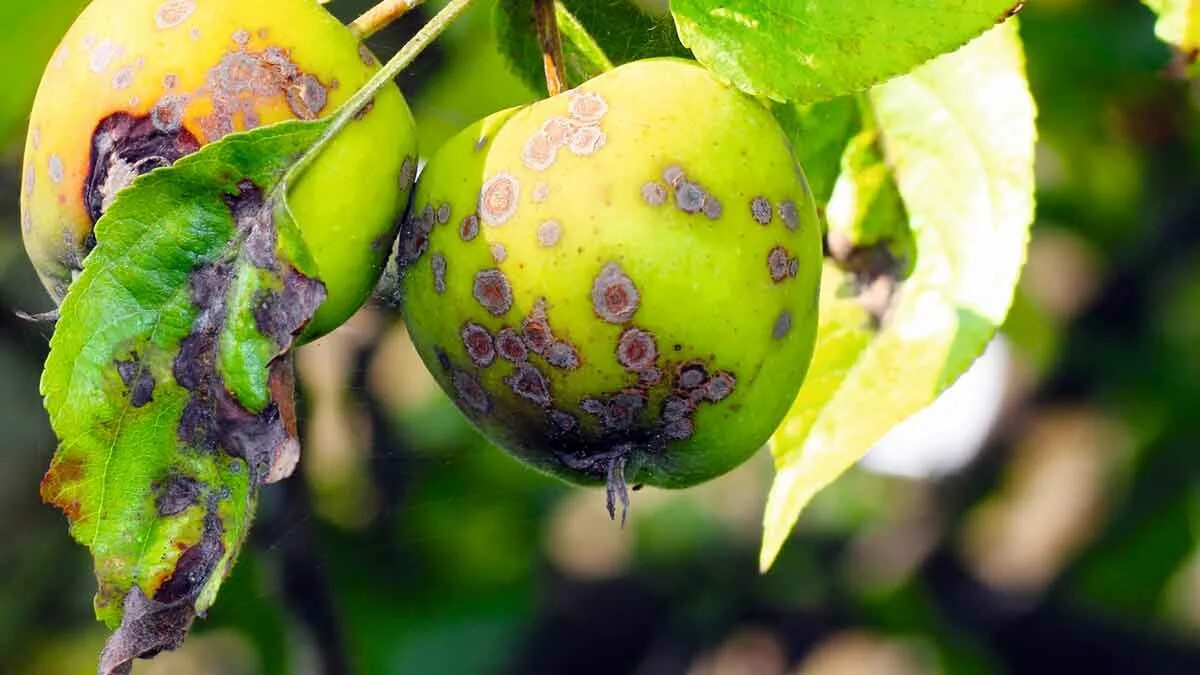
<point>1042,517</point>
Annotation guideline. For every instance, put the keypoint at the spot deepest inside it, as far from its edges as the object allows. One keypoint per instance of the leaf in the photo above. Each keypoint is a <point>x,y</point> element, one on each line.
<point>597,35</point>
<point>1178,24</point>
<point>811,50</point>
<point>819,133</point>
<point>167,383</point>
<point>958,135</point>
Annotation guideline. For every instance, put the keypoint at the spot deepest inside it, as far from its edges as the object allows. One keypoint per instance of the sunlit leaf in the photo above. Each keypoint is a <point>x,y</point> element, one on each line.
<point>810,50</point>
<point>1178,23</point>
<point>958,134</point>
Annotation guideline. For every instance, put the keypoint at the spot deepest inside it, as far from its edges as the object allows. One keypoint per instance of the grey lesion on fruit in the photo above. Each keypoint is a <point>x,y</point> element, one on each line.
<point>511,346</point>
<point>535,328</point>
<point>498,199</point>
<point>761,210</point>
<point>549,233</point>
<point>437,265</point>
<point>789,214</point>
<point>615,298</point>
<point>562,355</point>
<point>478,343</point>
<point>470,392</point>
<point>782,265</point>
<point>690,196</point>
<point>531,384</point>
<point>138,380</point>
<point>637,350</point>
<point>499,252</point>
<point>654,193</point>
<point>468,229</point>
<point>493,291</point>
<point>242,78</point>
<point>782,326</point>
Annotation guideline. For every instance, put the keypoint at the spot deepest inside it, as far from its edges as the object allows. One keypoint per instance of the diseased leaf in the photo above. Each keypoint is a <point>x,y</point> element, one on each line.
<point>958,135</point>
<point>1178,24</point>
<point>811,50</point>
<point>596,35</point>
<point>167,381</point>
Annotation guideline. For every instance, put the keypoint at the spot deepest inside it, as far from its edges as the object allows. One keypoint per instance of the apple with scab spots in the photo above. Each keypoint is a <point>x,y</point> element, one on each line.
<point>614,286</point>
<point>137,84</point>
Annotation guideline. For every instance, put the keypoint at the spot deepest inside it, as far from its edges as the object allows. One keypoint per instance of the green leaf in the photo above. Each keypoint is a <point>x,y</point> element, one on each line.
<point>958,135</point>
<point>1178,23</point>
<point>167,382</point>
<point>811,50</point>
<point>596,35</point>
<point>819,133</point>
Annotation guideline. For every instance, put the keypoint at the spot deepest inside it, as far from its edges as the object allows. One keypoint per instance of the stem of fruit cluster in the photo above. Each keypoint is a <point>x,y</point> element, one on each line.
<point>579,36</point>
<point>550,43</point>
<point>380,16</point>
<point>366,94</point>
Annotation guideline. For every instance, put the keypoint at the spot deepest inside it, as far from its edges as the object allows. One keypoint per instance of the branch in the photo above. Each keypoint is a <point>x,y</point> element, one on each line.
<point>551,45</point>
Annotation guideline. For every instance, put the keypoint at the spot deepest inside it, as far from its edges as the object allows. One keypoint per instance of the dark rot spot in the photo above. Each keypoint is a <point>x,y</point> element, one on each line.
<point>510,346</point>
<point>443,213</point>
<point>691,376</point>
<point>761,211</point>
<point>789,215</point>
<point>623,409</point>
<point>197,564</point>
<point>783,325</point>
<point>719,387</point>
<point>498,199</point>
<point>536,328</point>
<point>793,267</point>
<point>468,229</point>
<point>562,355</point>
<point>689,197</point>
<point>712,207</point>
<point>175,494</point>
<point>654,193</point>
<point>493,292</point>
<point>470,392</point>
<point>549,233</point>
<point>125,147</point>
<point>529,383</point>
<point>243,78</point>
<point>413,241</point>
<point>614,297</point>
<point>443,358</point>
<point>478,343</point>
<point>637,350</point>
<point>139,382</point>
<point>438,264</point>
<point>561,423</point>
<point>778,264</point>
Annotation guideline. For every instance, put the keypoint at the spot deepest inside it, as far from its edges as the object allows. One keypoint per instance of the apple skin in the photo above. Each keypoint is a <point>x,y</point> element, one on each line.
<point>620,278</point>
<point>136,84</point>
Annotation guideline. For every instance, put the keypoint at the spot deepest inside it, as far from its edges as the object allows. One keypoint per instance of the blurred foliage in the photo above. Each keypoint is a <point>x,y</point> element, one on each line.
<point>406,545</point>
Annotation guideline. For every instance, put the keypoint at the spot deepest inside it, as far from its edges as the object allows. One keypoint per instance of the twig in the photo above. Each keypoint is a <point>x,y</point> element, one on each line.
<point>380,16</point>
<point>550,43</point>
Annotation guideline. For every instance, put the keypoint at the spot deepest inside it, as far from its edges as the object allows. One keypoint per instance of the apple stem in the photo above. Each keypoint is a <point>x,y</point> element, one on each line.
<point>366,94</point>
<point>380,16</point>
<point>550,42</point>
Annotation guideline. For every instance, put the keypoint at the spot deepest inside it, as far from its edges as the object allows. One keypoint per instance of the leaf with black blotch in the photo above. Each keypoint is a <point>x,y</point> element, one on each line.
<point>596,35</point>
<point>934,213</point>
<point>811,50</point>
<point>169,382</point>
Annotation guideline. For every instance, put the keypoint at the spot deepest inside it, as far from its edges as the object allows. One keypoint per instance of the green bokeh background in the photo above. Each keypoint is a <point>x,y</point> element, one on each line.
<point>407,545</point>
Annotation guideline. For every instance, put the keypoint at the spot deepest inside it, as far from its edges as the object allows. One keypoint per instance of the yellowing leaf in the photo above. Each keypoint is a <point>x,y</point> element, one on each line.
<point>958,134</point>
